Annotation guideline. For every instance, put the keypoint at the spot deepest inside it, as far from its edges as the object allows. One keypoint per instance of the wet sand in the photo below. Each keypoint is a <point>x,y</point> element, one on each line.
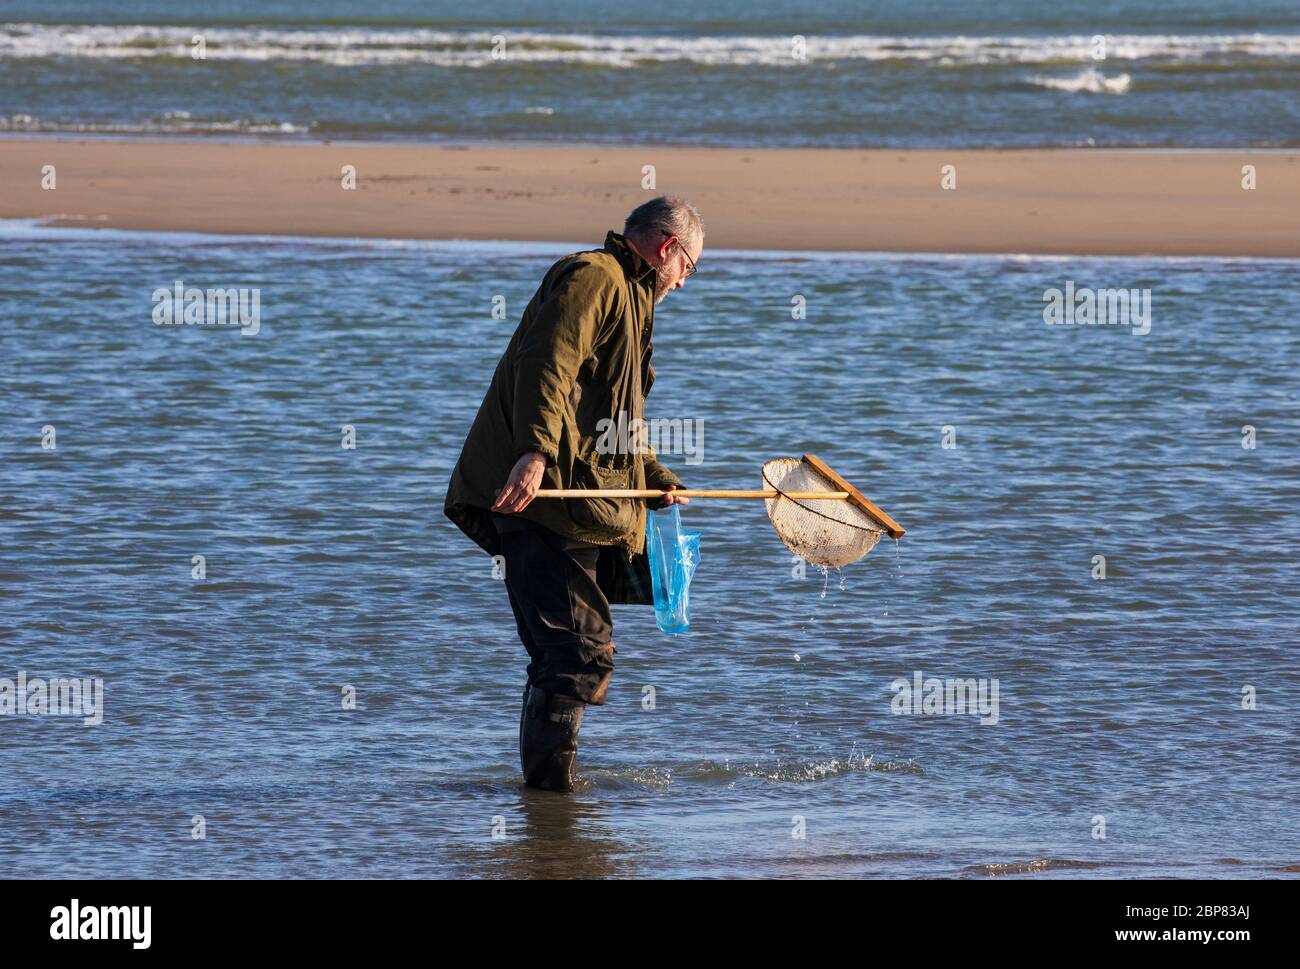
<point>1042,201</point>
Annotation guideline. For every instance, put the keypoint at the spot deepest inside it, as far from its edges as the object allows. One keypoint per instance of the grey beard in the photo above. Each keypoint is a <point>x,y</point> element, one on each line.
<point>661,284</point>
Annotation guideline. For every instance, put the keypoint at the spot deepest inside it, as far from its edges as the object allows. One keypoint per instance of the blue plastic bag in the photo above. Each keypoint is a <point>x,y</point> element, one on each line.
<point>673,556</point>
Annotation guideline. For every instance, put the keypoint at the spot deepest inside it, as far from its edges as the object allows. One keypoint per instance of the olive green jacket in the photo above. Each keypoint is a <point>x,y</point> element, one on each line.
<point>579,360</point>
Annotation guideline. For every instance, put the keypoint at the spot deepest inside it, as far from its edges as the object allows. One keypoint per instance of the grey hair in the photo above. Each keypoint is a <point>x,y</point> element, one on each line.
<point>665,214</point>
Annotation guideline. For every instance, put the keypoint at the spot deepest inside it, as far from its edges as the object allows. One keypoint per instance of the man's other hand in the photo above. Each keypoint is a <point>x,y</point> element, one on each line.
<point>670,499</point>
<point>521,487</point>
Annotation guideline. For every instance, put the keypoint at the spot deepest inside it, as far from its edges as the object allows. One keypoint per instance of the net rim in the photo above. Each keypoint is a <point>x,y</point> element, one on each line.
<point>814,511</point>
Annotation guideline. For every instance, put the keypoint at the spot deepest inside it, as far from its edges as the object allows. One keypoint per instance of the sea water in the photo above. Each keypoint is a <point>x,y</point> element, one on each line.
<point>337,695</point>
<point>896,73</point>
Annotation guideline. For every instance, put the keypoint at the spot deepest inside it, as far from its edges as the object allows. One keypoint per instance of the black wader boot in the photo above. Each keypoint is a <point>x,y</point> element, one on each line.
<point>548,739</point>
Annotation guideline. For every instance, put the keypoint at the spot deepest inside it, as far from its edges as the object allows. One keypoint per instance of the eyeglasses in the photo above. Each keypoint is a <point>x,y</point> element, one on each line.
<point>690,272</point>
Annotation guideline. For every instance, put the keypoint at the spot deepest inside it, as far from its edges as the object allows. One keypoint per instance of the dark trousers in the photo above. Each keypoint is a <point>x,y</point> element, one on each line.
<point>562,614</point>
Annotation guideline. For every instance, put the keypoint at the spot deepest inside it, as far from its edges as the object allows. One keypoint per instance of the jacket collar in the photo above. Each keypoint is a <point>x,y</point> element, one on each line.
<point>634,266</point>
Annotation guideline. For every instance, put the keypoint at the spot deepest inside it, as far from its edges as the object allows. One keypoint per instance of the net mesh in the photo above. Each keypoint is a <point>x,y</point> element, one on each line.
<point>830,532</point>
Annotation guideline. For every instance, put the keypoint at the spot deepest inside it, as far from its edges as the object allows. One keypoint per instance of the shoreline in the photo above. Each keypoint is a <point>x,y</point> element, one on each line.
<point>24,230</point>
<point>317,141</point>
<point>1048,201</point>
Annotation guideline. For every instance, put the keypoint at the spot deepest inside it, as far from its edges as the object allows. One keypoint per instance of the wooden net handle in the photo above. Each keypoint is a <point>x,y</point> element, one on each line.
<point>687,493</point>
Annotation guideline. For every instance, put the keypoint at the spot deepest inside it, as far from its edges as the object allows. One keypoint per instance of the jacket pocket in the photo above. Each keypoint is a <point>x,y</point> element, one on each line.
<point>608,514</point>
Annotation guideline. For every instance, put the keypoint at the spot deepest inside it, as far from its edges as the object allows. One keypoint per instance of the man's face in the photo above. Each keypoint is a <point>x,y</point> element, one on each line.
<point>674,266</point>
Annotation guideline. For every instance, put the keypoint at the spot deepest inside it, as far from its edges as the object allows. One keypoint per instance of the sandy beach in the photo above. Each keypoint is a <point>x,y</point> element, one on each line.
<point>1014,201</point>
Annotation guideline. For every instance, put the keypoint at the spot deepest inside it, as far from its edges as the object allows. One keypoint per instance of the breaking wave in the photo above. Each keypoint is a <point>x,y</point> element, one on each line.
<point>1091,81</point>
<point>170,123</point>
<point>368,46</point>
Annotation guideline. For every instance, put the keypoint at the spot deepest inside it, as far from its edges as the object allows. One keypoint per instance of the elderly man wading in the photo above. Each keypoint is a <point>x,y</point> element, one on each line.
<point>579,359</point>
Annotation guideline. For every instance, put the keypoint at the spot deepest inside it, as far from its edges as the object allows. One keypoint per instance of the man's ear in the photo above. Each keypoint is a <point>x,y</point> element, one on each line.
<point>667,243</point>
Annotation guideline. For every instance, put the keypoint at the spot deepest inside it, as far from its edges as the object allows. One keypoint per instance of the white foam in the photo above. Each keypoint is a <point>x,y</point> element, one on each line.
<point>1090,81</point>
<point>474,48</point>
<point>171,123</point>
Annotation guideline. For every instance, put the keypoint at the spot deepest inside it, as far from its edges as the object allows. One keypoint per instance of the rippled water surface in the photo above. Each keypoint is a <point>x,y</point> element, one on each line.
<point>893,73</point>
<point>1119,698</point>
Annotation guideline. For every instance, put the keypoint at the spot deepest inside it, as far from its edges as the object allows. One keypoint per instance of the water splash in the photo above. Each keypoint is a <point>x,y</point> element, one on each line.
<point>1030,867</point>
<point>800,771</point>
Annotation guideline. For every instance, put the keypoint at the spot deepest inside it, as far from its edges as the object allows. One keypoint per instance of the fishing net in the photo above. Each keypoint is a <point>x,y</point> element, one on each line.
<point>830,532</point>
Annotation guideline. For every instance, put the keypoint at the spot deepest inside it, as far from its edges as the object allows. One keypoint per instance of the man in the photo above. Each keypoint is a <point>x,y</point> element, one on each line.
<point>578,363</point>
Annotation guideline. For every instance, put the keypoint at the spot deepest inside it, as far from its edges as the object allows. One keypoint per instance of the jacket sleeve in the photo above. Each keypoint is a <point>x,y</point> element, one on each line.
<point>549,355</point>
<point>657,476</point>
